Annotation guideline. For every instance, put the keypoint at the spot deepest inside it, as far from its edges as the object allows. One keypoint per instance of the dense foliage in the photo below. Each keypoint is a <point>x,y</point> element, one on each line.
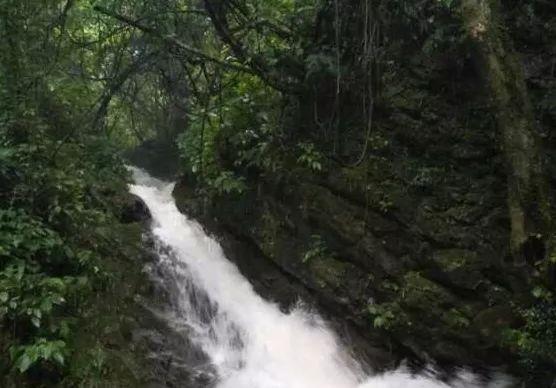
<point>253,94</point>
<point>61,188</point>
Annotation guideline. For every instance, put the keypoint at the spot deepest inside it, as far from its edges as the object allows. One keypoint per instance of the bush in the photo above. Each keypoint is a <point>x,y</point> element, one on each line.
<point>53,240</point>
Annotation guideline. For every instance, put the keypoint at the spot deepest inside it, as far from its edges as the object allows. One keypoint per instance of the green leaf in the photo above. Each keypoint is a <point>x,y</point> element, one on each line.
<point>54,283</point>
<point>24,362</point>
<point>538,292</point>
<point>379,322</point>
<point>59,358</point>
<point>36,322</point>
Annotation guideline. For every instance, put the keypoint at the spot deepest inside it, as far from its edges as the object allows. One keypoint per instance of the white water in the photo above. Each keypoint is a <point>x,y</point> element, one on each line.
<point>249,341</point>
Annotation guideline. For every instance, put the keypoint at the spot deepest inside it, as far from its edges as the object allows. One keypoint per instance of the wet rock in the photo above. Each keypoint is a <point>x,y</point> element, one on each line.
<point>435,262</point>
<point>468,153</point>
<point>445,350</point>
<point>204,379</point>
<point>135,210</point>
<point>451,259</point>
<point>161,159</point>
<point>492,321</point>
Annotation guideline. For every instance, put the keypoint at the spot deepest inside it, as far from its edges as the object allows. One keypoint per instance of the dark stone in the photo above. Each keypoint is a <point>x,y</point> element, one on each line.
<point>286,283</point>
<point>492,321</point>
<point>160,159</point>
<point>534,249</point>
<point>135,210</point>
<point>436,257</point>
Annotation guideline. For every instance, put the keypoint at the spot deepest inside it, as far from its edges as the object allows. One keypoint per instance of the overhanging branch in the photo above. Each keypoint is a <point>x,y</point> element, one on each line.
<point>172,40</point>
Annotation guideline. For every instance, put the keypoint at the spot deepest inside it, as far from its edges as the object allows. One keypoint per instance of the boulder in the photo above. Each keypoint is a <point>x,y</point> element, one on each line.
<point>134,210</point>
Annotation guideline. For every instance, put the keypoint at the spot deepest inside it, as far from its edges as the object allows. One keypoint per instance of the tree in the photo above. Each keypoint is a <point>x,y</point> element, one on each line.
<point>528,202</point>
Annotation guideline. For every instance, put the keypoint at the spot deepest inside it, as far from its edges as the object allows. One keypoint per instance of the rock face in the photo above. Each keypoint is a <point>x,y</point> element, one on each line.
<point>172,359</point>
<point>423,280</point>
<point>161,159</point>
<point>406,252</point>
<point>134,210</point>
<point>279,282</point>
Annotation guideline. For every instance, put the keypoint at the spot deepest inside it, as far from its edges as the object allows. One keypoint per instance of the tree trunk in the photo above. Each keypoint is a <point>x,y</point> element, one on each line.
<point>528,202</point>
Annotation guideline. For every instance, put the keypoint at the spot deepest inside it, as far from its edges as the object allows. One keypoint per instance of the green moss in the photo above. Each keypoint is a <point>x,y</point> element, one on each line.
<point>418,305</point>
<point>455,319</point>
<point>389,316</point>
<point>371,183</point>
<point>328,272</point>
<point>493,322</point>
<point>269,226</point>
<point>451,259</point>
<point>421,293</point>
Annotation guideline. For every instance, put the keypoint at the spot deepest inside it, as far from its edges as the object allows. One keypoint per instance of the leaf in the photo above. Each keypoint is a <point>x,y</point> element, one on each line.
<point>24,362</point>
<point>379,322</point>
<point>64,329</point>
<point>538,292</point>
<point>20,270</point>
<point>6,153</point>
<point>54,283</point>
<point>36,322</point>
<point>58,357</point>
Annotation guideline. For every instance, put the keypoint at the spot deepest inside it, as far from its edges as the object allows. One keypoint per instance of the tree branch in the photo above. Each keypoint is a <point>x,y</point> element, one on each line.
<point>172,40</point>
<point>116,84</point>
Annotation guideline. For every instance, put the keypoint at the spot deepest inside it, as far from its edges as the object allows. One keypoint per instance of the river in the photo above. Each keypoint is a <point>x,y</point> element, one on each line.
<point>248,342</point>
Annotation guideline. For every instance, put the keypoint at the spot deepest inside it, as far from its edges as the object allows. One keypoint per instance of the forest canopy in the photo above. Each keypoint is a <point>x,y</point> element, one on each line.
<point>376,100</point>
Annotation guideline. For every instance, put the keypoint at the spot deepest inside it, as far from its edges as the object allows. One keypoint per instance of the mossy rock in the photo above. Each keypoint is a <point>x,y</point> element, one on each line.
<point>159,158</point>
<point>493,321</point>
<point>328,271</point>
<point>422,293</point>
<point>449,351</point>
<point>461,269</point>
<point>455,319</point>
<point>451,259</point>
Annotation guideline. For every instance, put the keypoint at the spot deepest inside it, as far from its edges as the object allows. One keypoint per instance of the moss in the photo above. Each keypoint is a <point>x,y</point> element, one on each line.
<point>455,319</point>
<point>527,192</point>
<point>451,259</point>
<point>493,321</point>
<point>417,306</point>
<point>421,293</point>
<point>328,272</point>
<point>371,183</point>
<point>268,230</point>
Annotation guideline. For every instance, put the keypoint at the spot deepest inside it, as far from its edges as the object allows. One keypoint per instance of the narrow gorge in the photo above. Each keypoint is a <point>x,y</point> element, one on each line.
<point>277,193</point>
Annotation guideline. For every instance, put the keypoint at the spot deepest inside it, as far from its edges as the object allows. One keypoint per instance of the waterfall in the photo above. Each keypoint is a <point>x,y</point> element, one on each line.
<point>248,341</point>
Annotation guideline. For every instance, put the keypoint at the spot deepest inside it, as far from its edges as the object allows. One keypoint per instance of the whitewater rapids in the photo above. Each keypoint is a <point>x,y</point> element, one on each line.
<point>250,343</point>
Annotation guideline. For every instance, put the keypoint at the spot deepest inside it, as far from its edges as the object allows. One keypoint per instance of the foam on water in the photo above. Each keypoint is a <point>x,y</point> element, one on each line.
<point>249,341</point>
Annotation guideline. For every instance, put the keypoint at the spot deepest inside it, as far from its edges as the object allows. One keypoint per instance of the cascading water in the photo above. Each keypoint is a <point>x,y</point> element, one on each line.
<point>248,341</point>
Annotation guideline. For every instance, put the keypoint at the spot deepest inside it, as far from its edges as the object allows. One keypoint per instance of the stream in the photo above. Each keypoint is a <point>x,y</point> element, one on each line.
<point>246,341</point>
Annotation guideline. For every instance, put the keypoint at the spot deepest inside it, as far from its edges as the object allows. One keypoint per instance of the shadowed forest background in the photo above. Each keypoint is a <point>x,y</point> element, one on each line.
<point>390,161</point>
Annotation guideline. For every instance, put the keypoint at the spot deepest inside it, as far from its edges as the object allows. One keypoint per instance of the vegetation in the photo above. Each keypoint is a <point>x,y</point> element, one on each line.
<point>359,107</point>
<point>61,192</point>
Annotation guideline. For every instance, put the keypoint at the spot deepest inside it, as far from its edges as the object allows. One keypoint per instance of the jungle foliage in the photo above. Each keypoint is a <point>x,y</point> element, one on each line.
<point>250,92</point>
<point>62,183</point>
